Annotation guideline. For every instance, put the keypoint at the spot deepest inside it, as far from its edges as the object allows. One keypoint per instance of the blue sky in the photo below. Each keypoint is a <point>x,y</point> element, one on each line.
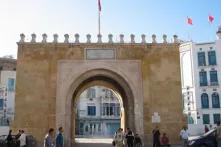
<point>118,16</point>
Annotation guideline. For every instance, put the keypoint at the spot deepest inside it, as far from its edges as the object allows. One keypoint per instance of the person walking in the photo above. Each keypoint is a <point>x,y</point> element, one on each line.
<point>125,139</point>
<point>60,138</point>
<point>118,138</point>
<point>22,139</point>
<point>218,135</point>
<point>48,140</point>
<point>137,141</point>
<point>18,135</point>
<point>9,139</point>
<point>130,139</point>
<point>184,136</point>
<point>156,137</point>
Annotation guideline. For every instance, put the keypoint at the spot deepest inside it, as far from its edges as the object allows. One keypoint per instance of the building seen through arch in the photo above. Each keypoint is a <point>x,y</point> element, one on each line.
<point>98,113</point>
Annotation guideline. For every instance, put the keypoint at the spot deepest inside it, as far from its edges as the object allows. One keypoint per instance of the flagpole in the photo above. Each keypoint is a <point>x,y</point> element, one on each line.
<point>99,17</point>
<point>99,22</point>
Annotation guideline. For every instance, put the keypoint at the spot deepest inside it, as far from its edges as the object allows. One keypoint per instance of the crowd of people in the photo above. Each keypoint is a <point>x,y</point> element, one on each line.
<point>19,139</point>
<point>158,140</point>
<point>126,139</point>
<point>121,138</point>
<point>50,140</point>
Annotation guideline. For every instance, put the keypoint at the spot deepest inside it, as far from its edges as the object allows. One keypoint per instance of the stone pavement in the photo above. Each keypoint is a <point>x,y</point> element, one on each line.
<point>94,142</point>
<point>102,145</point>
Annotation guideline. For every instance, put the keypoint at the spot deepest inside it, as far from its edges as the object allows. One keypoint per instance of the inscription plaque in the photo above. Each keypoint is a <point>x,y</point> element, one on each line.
<point>100,54</point>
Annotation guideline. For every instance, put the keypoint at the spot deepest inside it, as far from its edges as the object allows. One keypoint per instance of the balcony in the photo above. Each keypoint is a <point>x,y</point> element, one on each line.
<point>203,84</point>
<point>214,83</point>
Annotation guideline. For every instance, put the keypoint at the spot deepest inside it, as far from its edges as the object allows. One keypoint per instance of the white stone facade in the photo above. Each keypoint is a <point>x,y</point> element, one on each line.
<point>98,112</point>
<point>7,96</point>
<point>201,81</point>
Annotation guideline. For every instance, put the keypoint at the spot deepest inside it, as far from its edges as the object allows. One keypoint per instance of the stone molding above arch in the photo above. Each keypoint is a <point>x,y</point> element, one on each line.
<point>71,73</point>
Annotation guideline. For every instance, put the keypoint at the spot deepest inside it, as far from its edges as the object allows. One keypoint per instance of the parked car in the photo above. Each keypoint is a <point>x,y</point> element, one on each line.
<point>206,140</point>
<point>30,141</point>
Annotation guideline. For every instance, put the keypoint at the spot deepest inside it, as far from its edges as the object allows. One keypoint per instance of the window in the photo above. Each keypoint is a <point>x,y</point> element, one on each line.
<point>1,104</point>
<point>81,125</point>
<point>206,119</point>
<point>118,109</point>
<point>86,129</point>
<point>212,57</point>
<point>213,78</point>
<point>190,120</point>
<point>108,94</point>
<point>216,118</point>
<point>91,93</point>
<point>91,110</point>
<point>201,59</point>
<point>215,100</point>
<point>205,100</point>
<point>110,109</point>
<point>11,84</point>
<point>203,78</point>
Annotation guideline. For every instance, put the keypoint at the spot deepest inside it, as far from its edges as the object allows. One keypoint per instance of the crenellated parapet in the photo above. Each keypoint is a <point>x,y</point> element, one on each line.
<point>110,40</point>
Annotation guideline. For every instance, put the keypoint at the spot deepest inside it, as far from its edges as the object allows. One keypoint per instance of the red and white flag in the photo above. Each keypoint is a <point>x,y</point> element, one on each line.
<point>210,18</point>
<point>99,5</point>
<point>189,21</point>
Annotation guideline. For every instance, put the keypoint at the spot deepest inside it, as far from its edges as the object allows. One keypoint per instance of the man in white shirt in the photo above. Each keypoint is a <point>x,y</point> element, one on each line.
<point>22,139</point>
<point>184,136</point>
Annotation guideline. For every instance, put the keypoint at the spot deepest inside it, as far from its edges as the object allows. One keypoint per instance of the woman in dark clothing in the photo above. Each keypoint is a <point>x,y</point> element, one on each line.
<point>130,139</point>
<point>156,137</point>
<point>9,139</point>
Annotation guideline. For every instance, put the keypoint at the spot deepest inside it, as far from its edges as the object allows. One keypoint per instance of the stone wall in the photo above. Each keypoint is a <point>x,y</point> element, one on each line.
<point>37,82</point>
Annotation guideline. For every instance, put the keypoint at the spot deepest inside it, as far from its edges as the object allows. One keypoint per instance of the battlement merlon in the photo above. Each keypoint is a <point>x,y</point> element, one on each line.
<point>99,39</point>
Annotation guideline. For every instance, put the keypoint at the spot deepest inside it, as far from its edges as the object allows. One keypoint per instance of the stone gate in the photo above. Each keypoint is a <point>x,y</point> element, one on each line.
<point>51,76</point>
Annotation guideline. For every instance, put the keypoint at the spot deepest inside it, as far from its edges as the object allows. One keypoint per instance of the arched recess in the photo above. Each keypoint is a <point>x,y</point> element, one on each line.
<point>102,77</point>
<point>75,76</point>
<point>110,84</point>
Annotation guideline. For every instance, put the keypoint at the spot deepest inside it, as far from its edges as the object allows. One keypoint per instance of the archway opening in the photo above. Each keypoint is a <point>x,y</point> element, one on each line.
<point>100,106</point>
<point>99,113</point>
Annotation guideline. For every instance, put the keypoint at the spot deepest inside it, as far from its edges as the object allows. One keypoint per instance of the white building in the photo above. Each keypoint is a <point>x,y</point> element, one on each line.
<point>7,90</point>
<point>201,81</point>
<point>98,113</point>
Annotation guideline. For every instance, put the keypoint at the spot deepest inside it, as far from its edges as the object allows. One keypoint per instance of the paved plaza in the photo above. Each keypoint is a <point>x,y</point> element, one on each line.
<point>95,142</point>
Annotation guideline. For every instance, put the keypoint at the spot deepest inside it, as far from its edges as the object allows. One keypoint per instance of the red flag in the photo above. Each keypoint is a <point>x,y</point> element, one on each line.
<point>189,21</point>
<point>99,5</point>
<point>210,18</point>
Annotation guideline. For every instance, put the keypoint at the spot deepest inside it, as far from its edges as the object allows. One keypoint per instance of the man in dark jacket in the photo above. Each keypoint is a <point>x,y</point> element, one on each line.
<point>60,138</point>
<point>9,139</point>
<point>130,139</point>
<point>156,137</point>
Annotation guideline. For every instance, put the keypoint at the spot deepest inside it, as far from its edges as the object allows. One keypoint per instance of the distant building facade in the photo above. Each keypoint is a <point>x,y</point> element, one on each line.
<point>201,81</point>
<point>7,90</point>
<point>98,113</point>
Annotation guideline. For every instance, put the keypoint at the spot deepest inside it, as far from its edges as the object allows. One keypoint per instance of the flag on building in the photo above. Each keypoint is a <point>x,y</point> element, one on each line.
<point>99,5</point>
<point>210,18</point>
<point>189,21</point>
